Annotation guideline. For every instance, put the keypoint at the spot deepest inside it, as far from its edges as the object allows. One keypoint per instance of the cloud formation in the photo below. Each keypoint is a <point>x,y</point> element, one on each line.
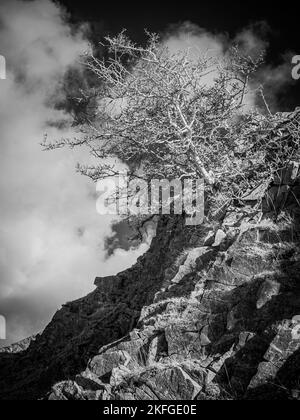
<point>251,40</point>
<point>51,237</point>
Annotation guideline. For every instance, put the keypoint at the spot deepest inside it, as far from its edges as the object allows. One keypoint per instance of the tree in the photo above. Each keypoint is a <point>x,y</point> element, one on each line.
<point>173,116</point>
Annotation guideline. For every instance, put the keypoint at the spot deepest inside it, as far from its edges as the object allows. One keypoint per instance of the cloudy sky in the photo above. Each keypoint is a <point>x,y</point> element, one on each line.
<point>51,237</point>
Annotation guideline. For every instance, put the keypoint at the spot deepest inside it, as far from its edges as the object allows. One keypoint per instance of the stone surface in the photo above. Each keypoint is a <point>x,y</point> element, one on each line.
<point>219,238</point>
<point>267,291</point>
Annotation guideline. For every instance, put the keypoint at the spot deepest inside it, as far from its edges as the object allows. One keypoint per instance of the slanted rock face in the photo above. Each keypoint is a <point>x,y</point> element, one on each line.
<point>267,291</point>
<point>81,328</point>
<point>209,312</point>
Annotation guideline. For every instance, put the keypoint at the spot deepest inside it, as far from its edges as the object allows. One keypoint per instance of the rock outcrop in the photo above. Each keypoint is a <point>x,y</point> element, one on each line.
<point>209,312</point>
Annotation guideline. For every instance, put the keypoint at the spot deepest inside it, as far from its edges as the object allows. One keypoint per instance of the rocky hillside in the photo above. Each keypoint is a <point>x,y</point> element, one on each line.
<point>209,312</point>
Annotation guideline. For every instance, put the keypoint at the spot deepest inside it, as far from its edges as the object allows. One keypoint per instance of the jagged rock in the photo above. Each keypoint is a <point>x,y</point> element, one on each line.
<point>88,380</point>
<point>68,390</point>
<point>233,219</point>
<point>183,341</point>
<point>107,284</point>
<point>244,337</point>
<point>280,350</point>
<point>204,340</point>
<point>190,263</point>
<point>258,193</point>
<point>267,291</point>
<point>189,321</point>
<point>175,384</point>
<point>283,346</point>
<point>219,238</point>
<point>296,327</point>
<point>20,346</point>
<point>210,239</point>
<point>119,375</point>
<point>103,364</point>
<point>158,348</point>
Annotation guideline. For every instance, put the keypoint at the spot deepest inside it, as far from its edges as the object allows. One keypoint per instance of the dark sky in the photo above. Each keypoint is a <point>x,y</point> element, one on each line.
<point>225,17</point>
<point>219,16</point>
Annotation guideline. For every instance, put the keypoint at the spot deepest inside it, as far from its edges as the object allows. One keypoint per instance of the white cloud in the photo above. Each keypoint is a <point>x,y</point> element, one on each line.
<point>51,237</point>
<point>251,40</point>
<point>198,40</point>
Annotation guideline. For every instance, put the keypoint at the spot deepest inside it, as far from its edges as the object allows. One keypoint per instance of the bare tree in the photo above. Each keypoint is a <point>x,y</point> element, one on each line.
<point>174,116</point>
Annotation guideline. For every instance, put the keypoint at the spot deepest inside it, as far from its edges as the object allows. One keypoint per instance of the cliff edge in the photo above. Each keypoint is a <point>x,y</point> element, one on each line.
<point>209,312</point>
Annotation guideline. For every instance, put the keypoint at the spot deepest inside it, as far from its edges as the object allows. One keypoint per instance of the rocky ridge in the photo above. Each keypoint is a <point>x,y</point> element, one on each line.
<point>209,312</point>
